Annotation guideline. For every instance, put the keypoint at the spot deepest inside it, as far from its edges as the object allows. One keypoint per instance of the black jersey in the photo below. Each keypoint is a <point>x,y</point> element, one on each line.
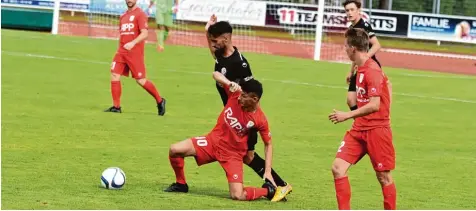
<point>362,24</point>
<point>235,68</point>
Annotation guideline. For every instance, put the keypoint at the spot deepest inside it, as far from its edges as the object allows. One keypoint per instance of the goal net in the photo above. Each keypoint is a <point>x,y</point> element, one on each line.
<point>270,27</point>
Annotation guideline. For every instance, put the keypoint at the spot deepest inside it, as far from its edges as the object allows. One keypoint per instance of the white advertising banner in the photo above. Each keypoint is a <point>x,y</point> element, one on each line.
<point>235,11</point>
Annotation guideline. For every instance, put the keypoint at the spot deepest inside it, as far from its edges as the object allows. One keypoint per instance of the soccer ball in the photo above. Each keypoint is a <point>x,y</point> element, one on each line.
<point>113,178</point>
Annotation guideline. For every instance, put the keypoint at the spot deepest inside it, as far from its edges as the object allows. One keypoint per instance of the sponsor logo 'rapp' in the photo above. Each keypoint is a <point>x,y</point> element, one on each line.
<point>362,95</point>
<point>127,29</point>
<point>232,121</point>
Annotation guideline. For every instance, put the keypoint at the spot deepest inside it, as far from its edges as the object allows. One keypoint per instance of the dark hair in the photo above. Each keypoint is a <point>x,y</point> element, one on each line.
<point>252,86</point>
<point>220,28</point>
<point>357,38</point>
<point>356,2</point>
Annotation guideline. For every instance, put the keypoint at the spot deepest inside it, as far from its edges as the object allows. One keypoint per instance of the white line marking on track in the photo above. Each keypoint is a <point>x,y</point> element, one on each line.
<point>263,79</point>
<point>427,53</point>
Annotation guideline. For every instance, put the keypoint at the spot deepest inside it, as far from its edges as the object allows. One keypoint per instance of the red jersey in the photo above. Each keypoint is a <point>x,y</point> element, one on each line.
<point>372,82</point>
<point>131,22</point>
<point>231,131</point>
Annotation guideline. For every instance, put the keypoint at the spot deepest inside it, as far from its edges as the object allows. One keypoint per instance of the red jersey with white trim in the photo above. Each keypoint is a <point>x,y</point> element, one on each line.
<point>231,131</point>
<point>131,23</point>
<point>371,81</point>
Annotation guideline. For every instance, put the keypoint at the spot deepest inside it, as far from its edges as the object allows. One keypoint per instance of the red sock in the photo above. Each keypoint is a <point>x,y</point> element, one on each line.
<point>116,93</point>
<point>342,187</point>
<point>255,193</point>
<point>150,88</point>
<point>177,164</point>
<point>389,197</point>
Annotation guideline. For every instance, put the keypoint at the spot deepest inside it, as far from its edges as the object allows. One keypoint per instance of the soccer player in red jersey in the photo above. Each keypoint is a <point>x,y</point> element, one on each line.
<point>130,57</point>
<point>371,133</point>
<point>232,64</point>
<point>227,143</point>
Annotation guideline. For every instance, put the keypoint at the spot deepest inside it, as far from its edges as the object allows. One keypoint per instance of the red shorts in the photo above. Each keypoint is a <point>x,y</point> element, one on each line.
<point>377,143</point>
<point>205,153</point>
<point>123,63</point>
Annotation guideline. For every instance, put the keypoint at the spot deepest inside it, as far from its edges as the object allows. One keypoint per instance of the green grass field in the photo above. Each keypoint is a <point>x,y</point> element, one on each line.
<point>56,140</point>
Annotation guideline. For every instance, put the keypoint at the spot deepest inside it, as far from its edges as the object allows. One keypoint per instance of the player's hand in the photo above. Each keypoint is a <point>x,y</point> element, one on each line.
<point>128,46</point>
<point>213,20</point>
<point>269,176</point>
<point>339,116</point>
<point>234,87</point>
<point>174,9</point>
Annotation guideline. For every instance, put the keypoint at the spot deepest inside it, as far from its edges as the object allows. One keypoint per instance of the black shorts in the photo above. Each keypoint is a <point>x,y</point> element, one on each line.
<point>353,83</point>
<point>252,139</point>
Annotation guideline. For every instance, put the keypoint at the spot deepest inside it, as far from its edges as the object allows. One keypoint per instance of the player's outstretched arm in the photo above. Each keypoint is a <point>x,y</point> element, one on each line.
<point>263,129</point>
<point>268,159</point>
<point>229,85</point>
<point>220,78</point>
<point>213,20</point>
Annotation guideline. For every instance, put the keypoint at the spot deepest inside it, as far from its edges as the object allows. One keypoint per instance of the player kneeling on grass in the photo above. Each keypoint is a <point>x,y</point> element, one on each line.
<point>130,57</point>
<point>227,143</point>
<point>230,62</point>
<point>371,133</point>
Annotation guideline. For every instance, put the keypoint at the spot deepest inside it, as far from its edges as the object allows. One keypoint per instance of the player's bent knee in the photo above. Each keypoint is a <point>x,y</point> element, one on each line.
<point>237,195</point>
<point>174,150</point>
<point>339,168</point>
<point>141,81</point>
<point>184,149</point>
<point>237,191</point>
<point>177,150</point>
<point>384,177</point>
<point>115,77</point>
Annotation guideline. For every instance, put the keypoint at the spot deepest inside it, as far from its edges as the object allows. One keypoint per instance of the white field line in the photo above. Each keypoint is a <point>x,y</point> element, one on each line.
<point>390,50</point>
<point>402,74</point>
<point>21,54</point>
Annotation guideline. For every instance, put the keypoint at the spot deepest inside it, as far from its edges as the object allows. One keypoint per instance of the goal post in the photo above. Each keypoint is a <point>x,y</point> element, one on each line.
<point>56,10</point>
<point>319,27</point>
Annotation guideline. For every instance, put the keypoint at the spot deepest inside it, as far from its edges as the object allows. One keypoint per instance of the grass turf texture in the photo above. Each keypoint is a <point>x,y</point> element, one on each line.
<point>56,140</point>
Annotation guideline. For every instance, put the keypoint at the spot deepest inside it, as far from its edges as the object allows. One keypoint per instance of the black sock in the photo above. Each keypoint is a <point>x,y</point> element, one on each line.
<point>258,165</point>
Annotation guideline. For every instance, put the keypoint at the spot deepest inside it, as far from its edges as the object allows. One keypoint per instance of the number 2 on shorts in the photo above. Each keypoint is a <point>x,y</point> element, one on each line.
<point>340,147</point>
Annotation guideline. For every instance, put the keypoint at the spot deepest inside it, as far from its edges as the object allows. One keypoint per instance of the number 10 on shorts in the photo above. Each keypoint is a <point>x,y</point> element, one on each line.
<point>201,141</point>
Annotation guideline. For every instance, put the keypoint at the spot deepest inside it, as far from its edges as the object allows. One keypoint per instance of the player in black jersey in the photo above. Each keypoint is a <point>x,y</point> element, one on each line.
<point>352,10</point>
<point>234,66</point>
